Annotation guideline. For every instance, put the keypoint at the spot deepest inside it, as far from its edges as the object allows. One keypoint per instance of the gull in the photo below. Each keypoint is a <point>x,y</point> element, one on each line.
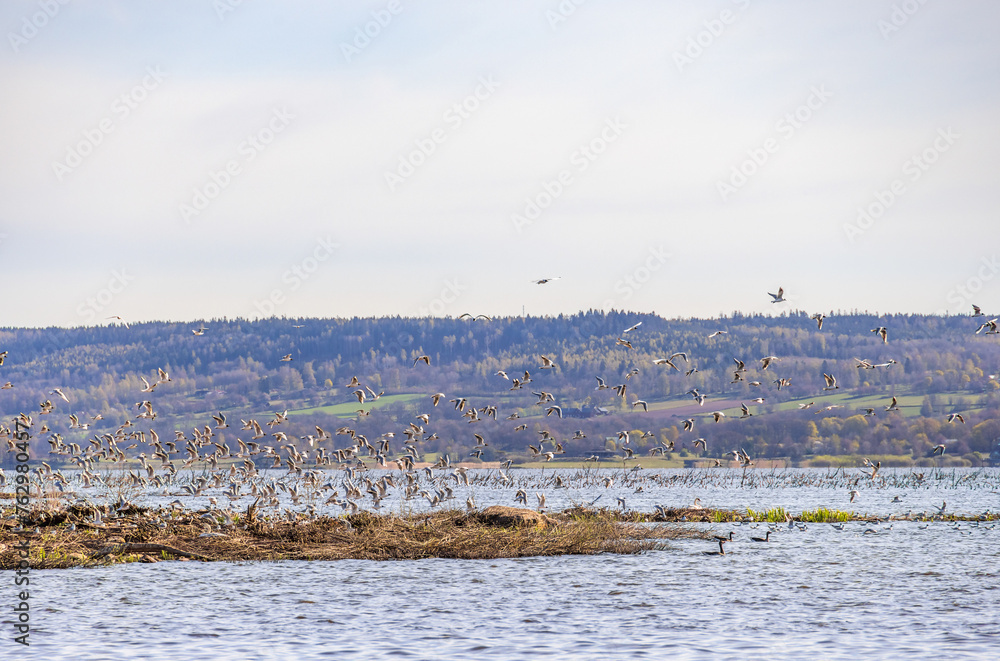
<point>758,400</point>
<point>286,358</point>
<point>952,417</point>
<point>831,382</point>
<point>755,384</point>
<point>740,365</point>
<point>360,394</point>
<point>503,374</point>
<point>632,373</point>
<point>3,355</point>
<point>541,500</point>
<point>779,297</point>
<point>976,311</point>
<point>354,383</point>
<point>514,416</point>
<point>199,331</point>
<point>938,449</point>
<point>665,361</point>
<point>426,359</point>
<point>642,403</point>
<point>864,364</point>
<point>718,415</point>
<point>547,363</point>
<point>991,324</point>
<point>600,384</point>
<point>691,371</point>
<point>620,390</point>
<point>737,377</point>
<point>220,420</point>
<point>805,406</point>
<point>624,343</point>
<point>7,386</point>
<point>436,397</point>
<point>57,391</point>
<point>819,317</point>
<point>869,412</point>
<point>163,377</point>
<point>702,442</point>
<point>631,328</point>
<point>718,332</point>
<point>549,456</point>
<point>893,406</point>
<point>766,361</point>
<point>688,424</point>
<point>746,411</point>
<point>124,323</point>
<point>782,383</point>
<point>553,409</point>
<point>543,281</point>
<point>145,385</point>
<point>882,332</point>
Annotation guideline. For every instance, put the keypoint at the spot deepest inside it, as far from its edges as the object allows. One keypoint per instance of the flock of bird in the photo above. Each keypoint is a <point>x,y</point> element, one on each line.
<point>233,470</point>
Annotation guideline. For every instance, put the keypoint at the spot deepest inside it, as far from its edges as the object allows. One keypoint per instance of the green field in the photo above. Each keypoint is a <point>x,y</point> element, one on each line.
<point>350,409</point>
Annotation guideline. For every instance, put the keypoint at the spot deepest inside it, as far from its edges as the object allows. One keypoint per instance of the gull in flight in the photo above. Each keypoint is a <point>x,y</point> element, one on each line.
<point>547,363</point>
<point>426,359</point>
<point>600,384</point>
<point>665,361</point>
<point>718,332</point>
<point>952,417</point>
<point>831,382</point>
<point>893,406</point>
<point>976,311</point>
<point>543,281</point>
<point>57,391</point>
<point>631,328</point>
<point>718,415</point>
<point>199,331</point>
<point>779,297</point>
<point>882,332</point>
<point>287,358</point>
<point>124,323</point>
<point>819,317</point>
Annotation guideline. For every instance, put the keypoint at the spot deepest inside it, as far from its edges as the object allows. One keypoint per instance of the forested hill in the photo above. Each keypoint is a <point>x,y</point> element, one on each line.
<point>236,366</point>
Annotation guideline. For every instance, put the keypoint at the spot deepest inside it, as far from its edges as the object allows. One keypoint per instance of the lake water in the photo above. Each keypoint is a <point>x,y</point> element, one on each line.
<point>890,589</point>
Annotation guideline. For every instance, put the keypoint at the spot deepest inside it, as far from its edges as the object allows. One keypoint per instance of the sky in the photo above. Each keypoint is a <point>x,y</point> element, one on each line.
<point>201,159</point>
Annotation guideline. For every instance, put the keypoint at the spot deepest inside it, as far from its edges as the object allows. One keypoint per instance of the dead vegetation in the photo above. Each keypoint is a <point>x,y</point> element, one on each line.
<point>143,535</point>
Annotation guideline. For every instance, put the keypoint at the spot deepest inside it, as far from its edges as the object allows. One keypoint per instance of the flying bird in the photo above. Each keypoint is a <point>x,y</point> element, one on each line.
<point>779,297</point>
<point>819,317</point>
<point>882,332</point>
<point>426,359</point>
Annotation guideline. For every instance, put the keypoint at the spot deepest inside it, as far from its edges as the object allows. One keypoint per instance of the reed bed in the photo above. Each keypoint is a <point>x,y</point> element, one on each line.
<point>153,535</point>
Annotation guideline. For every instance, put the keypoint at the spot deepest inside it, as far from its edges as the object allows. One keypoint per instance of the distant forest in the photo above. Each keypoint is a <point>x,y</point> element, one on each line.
<point>941,366</point>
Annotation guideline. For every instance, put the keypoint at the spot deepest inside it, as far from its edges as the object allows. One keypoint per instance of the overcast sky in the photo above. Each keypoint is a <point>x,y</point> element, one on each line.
<point>199,159</point>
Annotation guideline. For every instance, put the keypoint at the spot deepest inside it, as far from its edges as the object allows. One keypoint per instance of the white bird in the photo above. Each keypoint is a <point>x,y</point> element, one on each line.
<point>779,297</point>
<point>631,328</point>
